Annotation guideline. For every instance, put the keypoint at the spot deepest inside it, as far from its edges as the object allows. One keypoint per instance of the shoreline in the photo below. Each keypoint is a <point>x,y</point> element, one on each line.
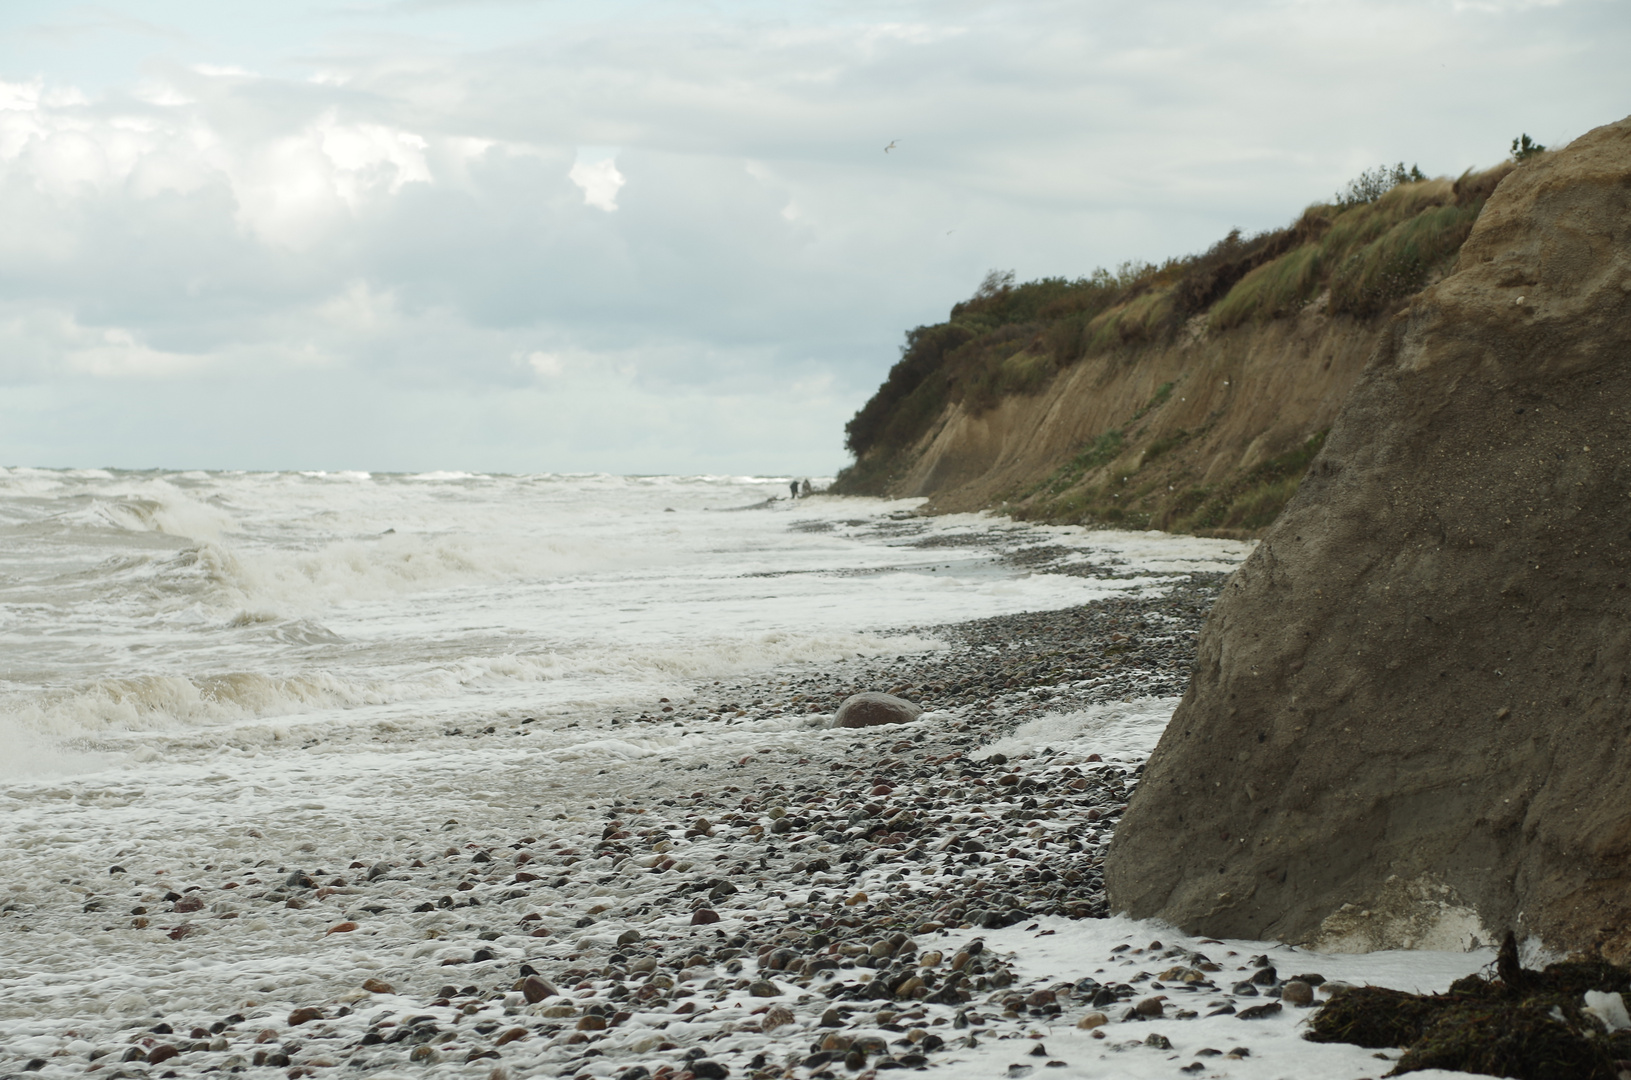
<point>771,901</point>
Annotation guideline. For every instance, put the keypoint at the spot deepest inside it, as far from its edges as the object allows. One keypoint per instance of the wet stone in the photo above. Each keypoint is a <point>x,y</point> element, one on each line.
<point>1297,992</point>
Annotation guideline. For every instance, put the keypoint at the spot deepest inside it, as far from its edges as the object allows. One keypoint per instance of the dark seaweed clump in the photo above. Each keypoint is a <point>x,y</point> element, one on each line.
<point>1530,1025</point>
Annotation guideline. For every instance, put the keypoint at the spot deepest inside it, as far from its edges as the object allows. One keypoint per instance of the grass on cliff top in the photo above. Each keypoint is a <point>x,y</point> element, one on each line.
<point>1373,245</point>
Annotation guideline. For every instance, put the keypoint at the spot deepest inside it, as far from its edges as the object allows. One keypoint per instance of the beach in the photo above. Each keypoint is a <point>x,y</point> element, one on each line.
<point>692,871</point>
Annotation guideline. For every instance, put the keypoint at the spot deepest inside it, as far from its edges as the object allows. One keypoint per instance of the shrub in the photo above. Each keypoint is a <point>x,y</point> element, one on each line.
<point>1524,148</point>
<point>1372,184</point>
<point>921,358</point>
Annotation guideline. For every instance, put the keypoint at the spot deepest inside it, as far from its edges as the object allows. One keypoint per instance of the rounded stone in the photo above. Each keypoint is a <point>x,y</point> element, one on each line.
<point>873,709</point>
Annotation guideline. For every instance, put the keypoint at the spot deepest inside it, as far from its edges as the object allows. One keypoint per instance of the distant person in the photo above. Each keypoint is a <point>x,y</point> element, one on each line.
<point>805,490</point>
<point>793,489</point>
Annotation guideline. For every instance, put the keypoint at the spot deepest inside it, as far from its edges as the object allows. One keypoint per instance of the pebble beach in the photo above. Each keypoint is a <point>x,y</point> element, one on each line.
<point>798,901</point>
<point>706,879</point>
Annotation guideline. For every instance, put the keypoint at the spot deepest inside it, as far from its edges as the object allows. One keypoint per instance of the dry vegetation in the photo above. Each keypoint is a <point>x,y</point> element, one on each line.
<point>1389,234</point>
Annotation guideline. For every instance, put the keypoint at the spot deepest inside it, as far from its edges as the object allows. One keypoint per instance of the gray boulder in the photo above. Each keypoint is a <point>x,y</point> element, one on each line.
<point>1408,724</point>
<point>872,708</point>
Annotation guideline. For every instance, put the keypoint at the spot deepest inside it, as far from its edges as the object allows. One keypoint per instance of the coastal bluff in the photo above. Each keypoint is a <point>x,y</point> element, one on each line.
<point>1410,719</point>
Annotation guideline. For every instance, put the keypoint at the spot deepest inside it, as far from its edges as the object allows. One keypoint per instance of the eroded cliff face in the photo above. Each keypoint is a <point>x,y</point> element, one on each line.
<point>1411,719</point>
<point>1173,437</point>
<point>1189,397</point>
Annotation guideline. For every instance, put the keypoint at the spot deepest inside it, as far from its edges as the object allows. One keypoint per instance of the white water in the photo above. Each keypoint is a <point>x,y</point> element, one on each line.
<point>211,608</point>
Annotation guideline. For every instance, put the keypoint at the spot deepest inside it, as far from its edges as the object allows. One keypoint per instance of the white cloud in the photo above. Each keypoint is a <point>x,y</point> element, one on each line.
<point>599,180</point>
<point>106,352</point>
<point>548,365</point>
<point>361,308</point>
<point>399,219</point>
<point>224,71</point>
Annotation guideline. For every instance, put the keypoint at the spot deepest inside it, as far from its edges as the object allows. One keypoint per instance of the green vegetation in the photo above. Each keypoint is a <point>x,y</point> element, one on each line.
<point>1378,241</point>
<point>1277,289</point>
<point>1524,148</point>
<point>1157,399</point>
<point>1137,499</point>
<point>1096,454</point>
<point>1386,235</point>
<point>1372,184</point>
<point>1398,262</point>
<point>1250,502</point>
<point>1005,339</point>
<point>1371,254</point>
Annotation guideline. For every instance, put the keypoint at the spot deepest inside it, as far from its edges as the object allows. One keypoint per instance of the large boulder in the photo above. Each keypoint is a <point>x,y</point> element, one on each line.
<point>871,709</point>
<point>1410,719</point>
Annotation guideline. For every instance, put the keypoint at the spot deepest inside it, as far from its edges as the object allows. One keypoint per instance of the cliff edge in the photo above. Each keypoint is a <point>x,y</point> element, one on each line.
<point>1189,396</point>
<point>1410,722</point>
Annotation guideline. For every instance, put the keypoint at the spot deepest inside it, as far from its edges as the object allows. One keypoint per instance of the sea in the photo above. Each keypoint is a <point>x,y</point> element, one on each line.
<point>149,614</point>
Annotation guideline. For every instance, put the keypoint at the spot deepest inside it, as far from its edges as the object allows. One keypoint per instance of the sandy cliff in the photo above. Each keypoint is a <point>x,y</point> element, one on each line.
<point>1189,396</point>
<point>1410,722</point>
<point>1233,402</point>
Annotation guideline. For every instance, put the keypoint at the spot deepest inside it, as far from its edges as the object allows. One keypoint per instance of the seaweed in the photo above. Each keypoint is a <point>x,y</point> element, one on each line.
<point>1374,1017</point>
<point>1525,1024</point>
<point>1531,1040</point>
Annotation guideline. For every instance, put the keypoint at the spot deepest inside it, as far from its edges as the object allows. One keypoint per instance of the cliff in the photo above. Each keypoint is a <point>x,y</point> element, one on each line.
<point>1410,722</point>
<point>1188,397</point>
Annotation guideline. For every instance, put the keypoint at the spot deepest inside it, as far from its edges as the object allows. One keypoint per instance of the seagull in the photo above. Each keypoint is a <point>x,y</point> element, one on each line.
<point>890,147</point>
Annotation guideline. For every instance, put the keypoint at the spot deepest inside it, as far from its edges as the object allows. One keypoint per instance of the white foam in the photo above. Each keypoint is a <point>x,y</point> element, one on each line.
<point>1118,731</point>
<point>170,604</point>
<point>1073,948</point>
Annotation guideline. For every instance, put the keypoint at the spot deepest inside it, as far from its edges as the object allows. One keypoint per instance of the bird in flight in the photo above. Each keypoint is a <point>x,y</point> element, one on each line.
<point>891,146</point>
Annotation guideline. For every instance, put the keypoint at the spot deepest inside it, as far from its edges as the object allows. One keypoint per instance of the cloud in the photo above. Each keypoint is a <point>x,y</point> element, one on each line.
<point>371,222</point>
<point>599,179</point>
<point>548,365</point>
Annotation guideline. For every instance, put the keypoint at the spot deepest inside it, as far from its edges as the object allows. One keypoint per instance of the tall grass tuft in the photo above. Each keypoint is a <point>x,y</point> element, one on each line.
<point>1279,288</point>
<point>1400,261</point>
<point>1139,320</point>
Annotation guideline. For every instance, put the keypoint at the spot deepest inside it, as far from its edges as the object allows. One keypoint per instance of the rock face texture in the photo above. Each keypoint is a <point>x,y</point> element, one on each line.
<point>1410,720</point>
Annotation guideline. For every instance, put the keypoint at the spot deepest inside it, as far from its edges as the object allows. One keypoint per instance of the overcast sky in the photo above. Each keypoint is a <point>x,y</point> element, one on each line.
<point>655,237</point>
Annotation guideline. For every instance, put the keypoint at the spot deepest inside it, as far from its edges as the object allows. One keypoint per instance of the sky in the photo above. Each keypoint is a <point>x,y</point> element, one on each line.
<point>656,237</point>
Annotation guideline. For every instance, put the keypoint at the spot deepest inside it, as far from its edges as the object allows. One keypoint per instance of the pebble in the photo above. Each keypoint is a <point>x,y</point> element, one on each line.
<point>1297,992</point>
